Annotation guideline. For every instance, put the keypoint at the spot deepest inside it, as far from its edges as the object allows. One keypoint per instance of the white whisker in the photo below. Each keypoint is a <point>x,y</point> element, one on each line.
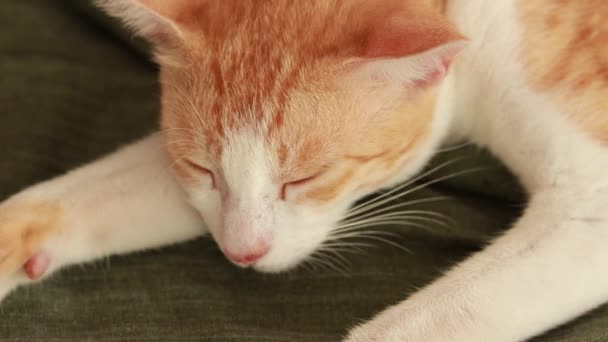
<point>395,206</point>
<point>455,147</point>
<point>400,187</point>
<point>399,215</point>
<point>412,190</point>
<point>376,236</point>
<point>328,263</point>
<point>388,222</point>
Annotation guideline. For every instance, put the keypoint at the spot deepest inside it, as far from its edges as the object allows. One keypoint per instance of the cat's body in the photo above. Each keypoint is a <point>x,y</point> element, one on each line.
<point>247,115</point>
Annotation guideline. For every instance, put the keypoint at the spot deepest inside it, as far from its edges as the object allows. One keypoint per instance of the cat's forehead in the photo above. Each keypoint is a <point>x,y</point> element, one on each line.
<point>289,102</point>
<point>276,76</point>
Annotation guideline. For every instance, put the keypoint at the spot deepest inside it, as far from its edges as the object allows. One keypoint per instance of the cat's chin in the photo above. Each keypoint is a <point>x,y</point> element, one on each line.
<point>266,267</point>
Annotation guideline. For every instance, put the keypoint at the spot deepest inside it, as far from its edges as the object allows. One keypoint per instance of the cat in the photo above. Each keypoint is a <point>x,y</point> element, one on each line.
<point>278,115</point>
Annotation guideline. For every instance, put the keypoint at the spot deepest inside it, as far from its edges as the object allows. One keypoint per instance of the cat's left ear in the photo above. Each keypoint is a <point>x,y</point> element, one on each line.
<point>413,52</point>
<point>159,21</point>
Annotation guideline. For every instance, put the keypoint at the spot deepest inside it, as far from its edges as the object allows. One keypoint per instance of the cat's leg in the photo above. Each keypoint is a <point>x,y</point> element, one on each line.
<point>550,267</point>
<point>125,202</point>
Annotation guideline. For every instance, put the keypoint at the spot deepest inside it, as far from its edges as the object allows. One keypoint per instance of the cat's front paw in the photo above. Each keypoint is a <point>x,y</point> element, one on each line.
<point>393,326</point>
<point>389,326</point>
<point>25,229</point>
<point>426,321</point>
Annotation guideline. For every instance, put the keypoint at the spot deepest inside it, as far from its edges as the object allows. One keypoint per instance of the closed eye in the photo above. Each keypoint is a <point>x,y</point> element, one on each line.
<point>298,182</point>
<point>201,170</point>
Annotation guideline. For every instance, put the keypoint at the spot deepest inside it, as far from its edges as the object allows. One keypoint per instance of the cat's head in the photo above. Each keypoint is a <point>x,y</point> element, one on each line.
<point>279,114</point>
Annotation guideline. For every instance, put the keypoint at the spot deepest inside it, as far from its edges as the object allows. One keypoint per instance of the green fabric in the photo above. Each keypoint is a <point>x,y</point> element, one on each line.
<point>73,87</point>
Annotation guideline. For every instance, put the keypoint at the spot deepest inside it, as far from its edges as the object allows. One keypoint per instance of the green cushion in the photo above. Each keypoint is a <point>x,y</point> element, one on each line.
<point>75,86</point>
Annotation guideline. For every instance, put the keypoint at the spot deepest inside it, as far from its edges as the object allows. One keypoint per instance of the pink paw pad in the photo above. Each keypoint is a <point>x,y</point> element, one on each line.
<point>36,266</point>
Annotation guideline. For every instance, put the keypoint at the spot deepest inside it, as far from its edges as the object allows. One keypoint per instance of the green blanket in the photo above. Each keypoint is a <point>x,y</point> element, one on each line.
<point>73,86</point>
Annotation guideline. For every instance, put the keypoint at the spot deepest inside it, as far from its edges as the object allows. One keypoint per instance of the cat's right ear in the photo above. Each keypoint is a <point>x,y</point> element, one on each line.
<point>410,50</point>
<point>159,21</point>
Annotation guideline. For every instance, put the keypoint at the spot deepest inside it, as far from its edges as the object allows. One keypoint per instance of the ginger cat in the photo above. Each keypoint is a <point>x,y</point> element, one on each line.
<point>278,115</point>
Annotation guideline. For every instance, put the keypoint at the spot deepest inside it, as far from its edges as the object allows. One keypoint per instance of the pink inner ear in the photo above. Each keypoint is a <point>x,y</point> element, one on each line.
<point>413,47</point>
<point>404,34</point>
<point>419,70</point>
<point>444,57</point>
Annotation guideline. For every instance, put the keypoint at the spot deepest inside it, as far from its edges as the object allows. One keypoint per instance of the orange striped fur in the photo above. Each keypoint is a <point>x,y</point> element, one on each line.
<point>279,67</point>
<point>566,56</point>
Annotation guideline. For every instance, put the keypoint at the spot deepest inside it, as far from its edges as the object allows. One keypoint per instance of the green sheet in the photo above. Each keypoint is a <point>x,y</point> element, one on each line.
<point>73,86</point>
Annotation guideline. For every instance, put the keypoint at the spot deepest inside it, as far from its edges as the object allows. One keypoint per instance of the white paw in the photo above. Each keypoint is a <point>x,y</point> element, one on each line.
<point>389,326</point>
<point>24,229</point>
<point>425,321</point>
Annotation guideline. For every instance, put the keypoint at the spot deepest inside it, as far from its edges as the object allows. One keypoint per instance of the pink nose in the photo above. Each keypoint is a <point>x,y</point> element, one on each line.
<point>248,257</point>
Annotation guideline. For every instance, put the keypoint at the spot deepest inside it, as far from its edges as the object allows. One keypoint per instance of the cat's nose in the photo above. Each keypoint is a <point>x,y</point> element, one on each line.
<point>249,257</point>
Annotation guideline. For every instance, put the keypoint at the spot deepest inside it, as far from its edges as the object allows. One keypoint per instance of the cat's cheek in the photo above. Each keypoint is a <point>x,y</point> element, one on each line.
<point>207,201</point>
<point>292,194</point>
<point>190,175</point>
<point>192,182</point>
